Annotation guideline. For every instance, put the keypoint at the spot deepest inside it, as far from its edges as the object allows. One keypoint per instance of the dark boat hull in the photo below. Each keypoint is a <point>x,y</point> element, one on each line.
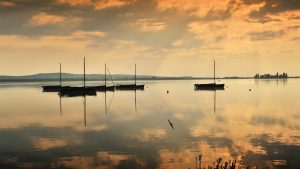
<point>53,88</point>
<point>103,88</point>
<point>77,91</point>
<point>209,86</point>
<point>130,87</point>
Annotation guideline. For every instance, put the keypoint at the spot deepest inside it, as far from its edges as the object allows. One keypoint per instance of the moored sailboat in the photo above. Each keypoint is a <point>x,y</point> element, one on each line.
<point>134,86</point>
<point>80,90</point>
<point>210,86</point>
<point>104,87</point>
<point>55,88</point>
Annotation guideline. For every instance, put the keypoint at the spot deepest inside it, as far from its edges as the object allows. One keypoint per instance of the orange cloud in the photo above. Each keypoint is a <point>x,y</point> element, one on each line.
<point>112,4</point>
<point>98,4</point>
<point>148,25</point>
<point>7,4</point>
<point>193,7</point>
<point>75,2</point>
<point>44,18</point>
<point>89,34</point>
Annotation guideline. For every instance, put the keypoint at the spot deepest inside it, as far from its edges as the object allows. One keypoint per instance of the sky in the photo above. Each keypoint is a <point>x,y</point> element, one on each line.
<point>163,37</point>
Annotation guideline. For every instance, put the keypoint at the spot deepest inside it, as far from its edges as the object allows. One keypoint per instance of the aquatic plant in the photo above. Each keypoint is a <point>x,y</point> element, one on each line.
<point>219,164</point>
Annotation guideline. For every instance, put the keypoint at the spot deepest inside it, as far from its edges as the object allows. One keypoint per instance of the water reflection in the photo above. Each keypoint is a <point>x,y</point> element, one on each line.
<point>84,109</point>
<point>263,125</point>
<point>272,81</point>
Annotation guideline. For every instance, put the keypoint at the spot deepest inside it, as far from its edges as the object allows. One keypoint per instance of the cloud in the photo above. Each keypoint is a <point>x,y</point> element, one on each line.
<point>25,42</point>
<point>112,4</point>
<point>208,9</point>
<point>148,25</point>
<point>266,35</point>
<point>98,4</point>
<point>178,42</point>
<point>274,7</point>
<point>7,4</point>
<point>89,34</point>
<point>44,18</point>
<point>75,2</point>
<point>210,32</point>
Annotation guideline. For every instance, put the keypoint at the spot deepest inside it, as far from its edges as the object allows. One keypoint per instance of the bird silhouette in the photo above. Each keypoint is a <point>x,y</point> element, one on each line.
<point>171,124</point>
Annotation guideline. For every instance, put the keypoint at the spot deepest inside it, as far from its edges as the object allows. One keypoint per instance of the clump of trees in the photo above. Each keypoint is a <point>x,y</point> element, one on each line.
<point>269,76</point>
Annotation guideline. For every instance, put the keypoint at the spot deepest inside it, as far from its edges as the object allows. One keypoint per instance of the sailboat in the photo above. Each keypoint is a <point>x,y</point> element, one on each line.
<point>104,87</point>
<point>131,86</point>
<point>210,86</point>
<point>80,90</point>
<point>54,88</point>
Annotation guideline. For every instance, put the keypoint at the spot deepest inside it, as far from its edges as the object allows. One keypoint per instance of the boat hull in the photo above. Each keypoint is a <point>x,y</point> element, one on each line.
<point>77,91</point>
<point>103,88</point>
<point>54,88</point>
<point>130,87</point>
<point>209,86</point>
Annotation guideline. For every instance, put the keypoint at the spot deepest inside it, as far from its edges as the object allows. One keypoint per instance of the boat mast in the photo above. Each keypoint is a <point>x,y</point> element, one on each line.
<point>59,74</point>
<point>84,72</point>
<point>135,74</point>
<point>214,72</point>
<point>105,76</point>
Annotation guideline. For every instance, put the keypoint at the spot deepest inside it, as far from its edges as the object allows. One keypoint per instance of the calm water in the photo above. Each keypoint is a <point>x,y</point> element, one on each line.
<point>127,129</point>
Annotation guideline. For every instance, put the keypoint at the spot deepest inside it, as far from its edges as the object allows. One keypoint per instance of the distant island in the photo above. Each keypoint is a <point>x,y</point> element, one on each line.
<point>269,76</point>
<point>41,77</point>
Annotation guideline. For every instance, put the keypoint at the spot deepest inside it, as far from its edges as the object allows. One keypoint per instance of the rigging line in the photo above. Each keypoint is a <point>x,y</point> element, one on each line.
<point>110,76</point>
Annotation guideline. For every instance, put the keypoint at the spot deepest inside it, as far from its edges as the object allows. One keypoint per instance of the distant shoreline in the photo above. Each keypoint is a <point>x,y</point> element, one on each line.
<point>140,79</point>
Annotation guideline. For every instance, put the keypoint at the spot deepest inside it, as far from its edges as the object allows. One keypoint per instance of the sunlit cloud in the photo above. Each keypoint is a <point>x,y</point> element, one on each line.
<point>112,4</point>
<point>14,41</point>
<point>98,4</point>
<point>7,4</point>
<point>178,43</point>
<point>44,18</point>
<point>148,25</point>
<point>89,34</point>
<point>75,2</point>
<point>198,8</point>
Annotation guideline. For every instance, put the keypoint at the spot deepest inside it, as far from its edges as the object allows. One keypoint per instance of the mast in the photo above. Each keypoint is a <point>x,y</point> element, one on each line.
<point>59,74</point>
<point>135,74</point>
<point>105,76</point>
<point>84,72</point>
<point>214,72</point>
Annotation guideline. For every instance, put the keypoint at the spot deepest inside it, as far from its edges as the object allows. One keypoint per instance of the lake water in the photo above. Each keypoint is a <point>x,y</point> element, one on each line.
<point>128,129</point>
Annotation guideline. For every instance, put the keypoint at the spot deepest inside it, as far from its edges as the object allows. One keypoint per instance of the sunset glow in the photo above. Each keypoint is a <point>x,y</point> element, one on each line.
<point>175,37</point>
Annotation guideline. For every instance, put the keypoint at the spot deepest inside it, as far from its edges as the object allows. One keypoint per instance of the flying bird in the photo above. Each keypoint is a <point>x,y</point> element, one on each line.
<point>171,124</point>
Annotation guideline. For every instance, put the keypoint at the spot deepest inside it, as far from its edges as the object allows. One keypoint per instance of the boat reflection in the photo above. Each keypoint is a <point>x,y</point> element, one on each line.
<point>107,108</point>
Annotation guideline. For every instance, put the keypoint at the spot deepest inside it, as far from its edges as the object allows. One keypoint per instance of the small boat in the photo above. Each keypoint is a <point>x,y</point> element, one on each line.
<point>80,90</point>
<point>210,86</point>
<point>54,88</point>
<point>131,86</point>
<point>50,88</point>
